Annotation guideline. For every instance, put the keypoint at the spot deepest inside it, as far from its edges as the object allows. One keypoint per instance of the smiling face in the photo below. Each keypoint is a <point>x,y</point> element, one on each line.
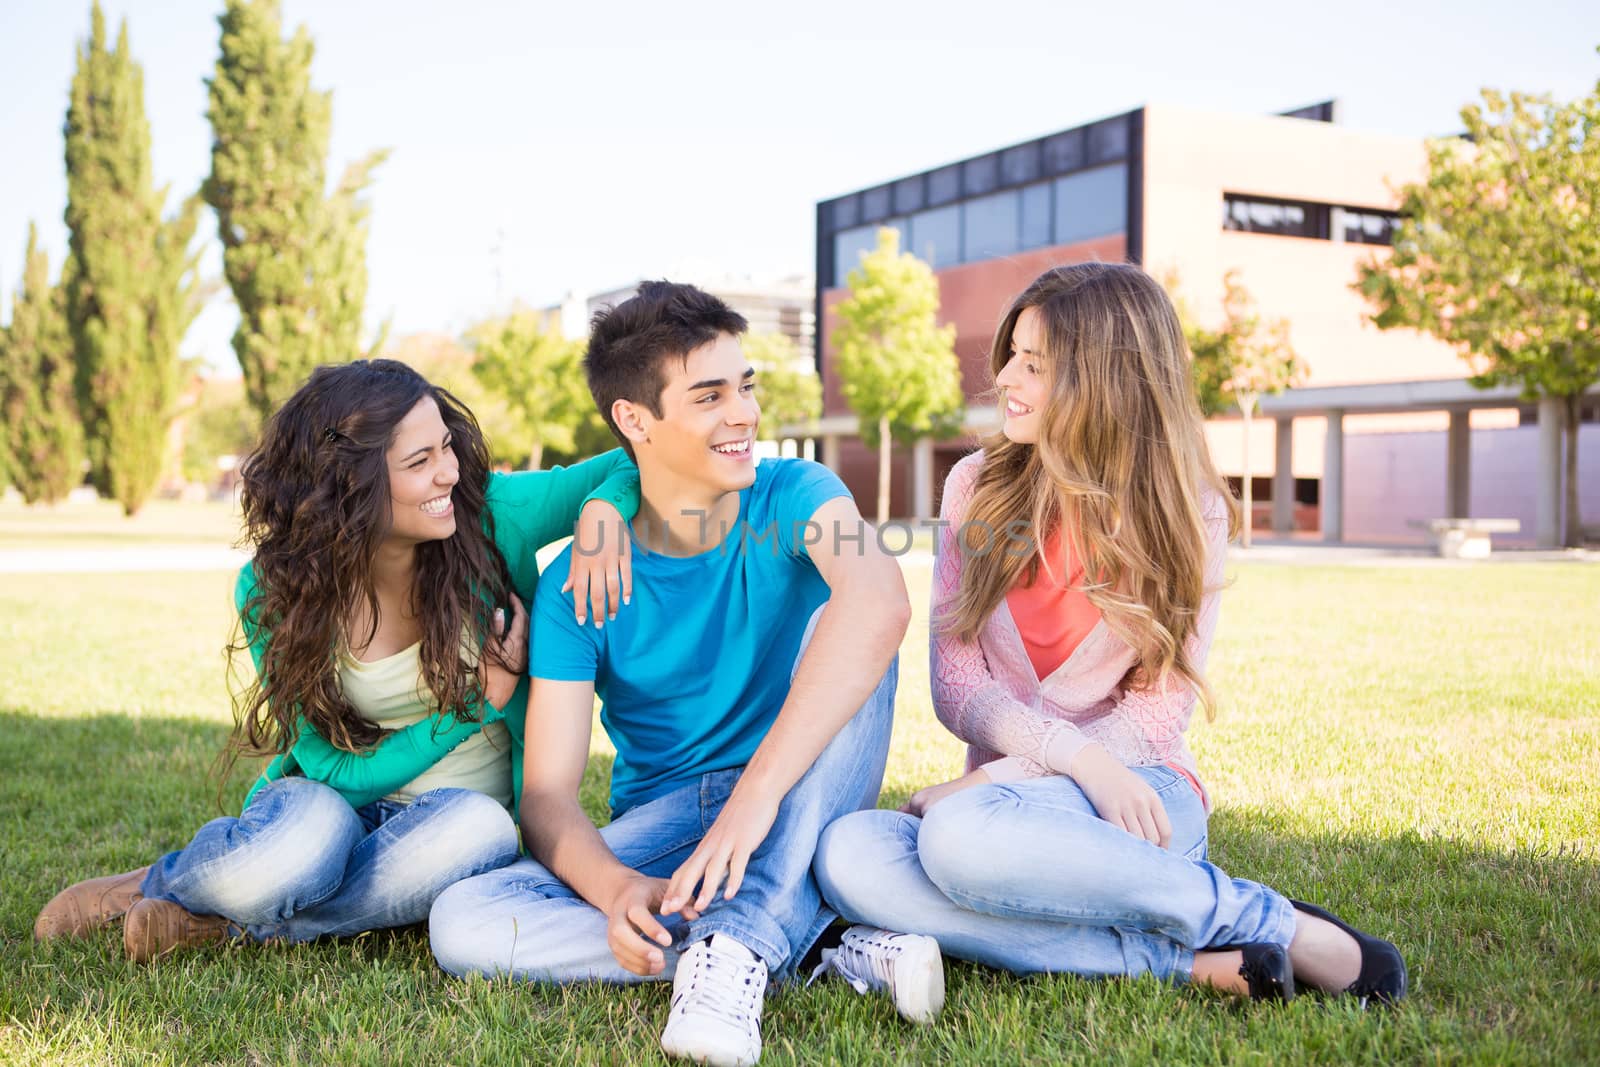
<point>422,472</point>
<point>1025,379</point>
<point>705,435</point>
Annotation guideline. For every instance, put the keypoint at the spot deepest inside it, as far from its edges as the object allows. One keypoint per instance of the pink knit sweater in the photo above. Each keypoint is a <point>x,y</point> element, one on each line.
<point>1018,726</point>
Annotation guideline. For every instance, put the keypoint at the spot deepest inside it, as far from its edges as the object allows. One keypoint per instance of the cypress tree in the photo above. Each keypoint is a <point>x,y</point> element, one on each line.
<point>44,439</point>
<point>131,289</point>
<point>294,256</point>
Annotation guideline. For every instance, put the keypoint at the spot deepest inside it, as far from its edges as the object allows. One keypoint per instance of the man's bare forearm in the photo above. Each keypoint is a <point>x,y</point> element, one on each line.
<point>857,636</point>
<point>561,836</point>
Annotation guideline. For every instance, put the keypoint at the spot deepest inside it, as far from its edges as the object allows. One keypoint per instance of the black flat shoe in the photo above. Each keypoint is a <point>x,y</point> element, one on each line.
<point>1267,972</point>
<point>1383,972</point>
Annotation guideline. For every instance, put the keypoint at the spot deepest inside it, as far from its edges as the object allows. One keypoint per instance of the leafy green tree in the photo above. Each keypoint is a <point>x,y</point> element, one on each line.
<point>786,382</point>
<point>1498,253</point>
<point>447,363</point>
<point>43,436</point>
<point>221,423</point>
<point>1238,362</point>
<point>294,256</point>
<point>131,282</point>
<point>539,375</point>
<point>897,366</point>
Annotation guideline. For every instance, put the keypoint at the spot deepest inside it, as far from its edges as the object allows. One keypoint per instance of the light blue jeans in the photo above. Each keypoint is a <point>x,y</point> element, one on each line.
<point>1027,878</point>
<point>301,863</point>
<point>525,922</point>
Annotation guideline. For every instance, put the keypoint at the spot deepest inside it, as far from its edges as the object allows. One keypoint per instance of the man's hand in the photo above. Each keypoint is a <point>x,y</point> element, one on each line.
<point>601,575</point>
<point>1119,796</point>
<point>923,799</point>
<point>635,936</point>
<point>724,852</point>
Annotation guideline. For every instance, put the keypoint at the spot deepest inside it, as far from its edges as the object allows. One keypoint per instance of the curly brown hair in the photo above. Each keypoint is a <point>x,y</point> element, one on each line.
<point>315,496</point>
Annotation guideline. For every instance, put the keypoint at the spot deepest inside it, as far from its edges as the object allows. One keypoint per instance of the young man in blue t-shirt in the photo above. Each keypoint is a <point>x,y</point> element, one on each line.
<point>748,689</point>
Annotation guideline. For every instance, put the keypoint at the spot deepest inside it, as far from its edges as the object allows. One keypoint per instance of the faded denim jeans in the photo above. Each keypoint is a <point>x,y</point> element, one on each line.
<point>301,863</point>
<point>1026,877</point>
<point>525,922</point>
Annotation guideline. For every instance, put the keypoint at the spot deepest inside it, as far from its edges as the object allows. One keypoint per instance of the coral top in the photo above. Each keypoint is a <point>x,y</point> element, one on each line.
<point>1052,614</point>
<point>1025,708</point>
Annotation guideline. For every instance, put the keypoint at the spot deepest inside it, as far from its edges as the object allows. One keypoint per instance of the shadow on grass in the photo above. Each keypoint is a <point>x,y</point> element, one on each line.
<point>1504,950</point>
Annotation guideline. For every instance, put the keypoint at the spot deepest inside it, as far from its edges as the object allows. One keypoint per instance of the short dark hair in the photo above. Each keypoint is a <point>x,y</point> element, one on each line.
<point>629,343</point>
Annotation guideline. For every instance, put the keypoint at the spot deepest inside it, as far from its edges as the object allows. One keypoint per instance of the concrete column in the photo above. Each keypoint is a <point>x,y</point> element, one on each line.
<point>1458,467</point>
<point>830,452</point>
<point>1332,502</point>
<point>808,448</point>
<point>1547,514</point>
<point>922,478</point>
<point>1283,477</point>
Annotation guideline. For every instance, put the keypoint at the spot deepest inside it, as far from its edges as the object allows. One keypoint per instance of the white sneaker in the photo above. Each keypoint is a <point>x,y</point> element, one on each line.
<point>716,1004</point>
<point>908,966</point>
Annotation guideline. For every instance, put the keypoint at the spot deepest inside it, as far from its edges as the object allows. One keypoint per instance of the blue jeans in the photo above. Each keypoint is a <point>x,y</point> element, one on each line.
<point>525,922</point>
<point>301,863</point>
<point>1027,878</point>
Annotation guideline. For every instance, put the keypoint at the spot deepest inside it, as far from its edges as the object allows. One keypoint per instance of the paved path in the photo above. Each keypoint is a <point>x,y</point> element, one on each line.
<point>224,558</point>
<point>120,560</point>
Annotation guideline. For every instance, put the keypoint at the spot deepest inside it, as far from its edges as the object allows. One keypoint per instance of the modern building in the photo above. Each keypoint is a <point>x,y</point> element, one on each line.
<point>777,305</point>
<point>1385,432</point>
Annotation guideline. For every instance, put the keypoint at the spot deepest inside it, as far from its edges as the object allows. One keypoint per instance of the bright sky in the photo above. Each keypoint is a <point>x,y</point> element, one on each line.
<point>595,144</point>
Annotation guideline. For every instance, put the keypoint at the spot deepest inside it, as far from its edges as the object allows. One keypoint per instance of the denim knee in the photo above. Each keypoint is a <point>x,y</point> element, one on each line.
<point>848,863</point>
<point>951,839</point>
<point>468,832</point>
<point>472,923</point>
<point>289,850</point>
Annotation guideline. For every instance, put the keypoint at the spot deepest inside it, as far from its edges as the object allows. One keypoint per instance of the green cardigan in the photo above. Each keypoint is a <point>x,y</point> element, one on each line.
<point>531,509</point>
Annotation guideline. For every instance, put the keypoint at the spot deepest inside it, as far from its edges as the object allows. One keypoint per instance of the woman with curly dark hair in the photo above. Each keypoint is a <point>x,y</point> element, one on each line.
<point>383,612</point>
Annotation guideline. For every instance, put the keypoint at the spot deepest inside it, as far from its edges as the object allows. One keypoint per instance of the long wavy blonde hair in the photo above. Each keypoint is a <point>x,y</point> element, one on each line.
<point>1121,467</point>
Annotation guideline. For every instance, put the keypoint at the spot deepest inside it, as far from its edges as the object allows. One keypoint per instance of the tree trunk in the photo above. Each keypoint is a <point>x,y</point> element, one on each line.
<point>883,470</point>
<point>1573,529</point>
<point>1247,408</point>
<point>536,457</point>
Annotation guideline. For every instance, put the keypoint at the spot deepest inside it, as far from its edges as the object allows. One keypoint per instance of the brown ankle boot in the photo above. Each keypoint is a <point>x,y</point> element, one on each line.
<point>86,906</point>
<point>154,928</point>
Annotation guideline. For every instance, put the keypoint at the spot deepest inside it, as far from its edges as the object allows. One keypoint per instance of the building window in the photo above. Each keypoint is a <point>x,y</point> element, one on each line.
<point>1368,227</point>
<point>1091,203</point>
<point>908,195</point>
<point>989,226</point>
<point>1108,140</point>
<point>844,213</point>
<point>936,236</point>
<point>1037,230</point>
<point>1064,152</point>
<point>1020,164</point>
<point>980,175</point>
<point>944,185</point>
<point>875,204</point>
<point>1285,218</point>
<point>849,245</point>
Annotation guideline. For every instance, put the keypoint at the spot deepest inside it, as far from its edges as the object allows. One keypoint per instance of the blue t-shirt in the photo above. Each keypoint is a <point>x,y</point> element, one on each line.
<point>692,674</point>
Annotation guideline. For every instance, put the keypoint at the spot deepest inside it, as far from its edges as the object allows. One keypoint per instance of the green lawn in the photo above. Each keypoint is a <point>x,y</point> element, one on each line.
<point>100,524</point>
<point>1417,747</point>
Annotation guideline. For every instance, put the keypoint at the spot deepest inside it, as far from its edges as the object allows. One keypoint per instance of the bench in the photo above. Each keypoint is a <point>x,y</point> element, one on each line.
<point>1465,538</point>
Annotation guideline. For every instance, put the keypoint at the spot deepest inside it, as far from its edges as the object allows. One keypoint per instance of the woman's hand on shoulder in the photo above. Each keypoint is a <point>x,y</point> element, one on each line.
<point>601,575</point>
<point>923,799</point>
<point>1119,796</point>
<point>505,659</point>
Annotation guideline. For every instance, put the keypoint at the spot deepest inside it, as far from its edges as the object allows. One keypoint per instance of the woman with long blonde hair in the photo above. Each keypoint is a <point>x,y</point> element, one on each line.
<point>1075,594</point>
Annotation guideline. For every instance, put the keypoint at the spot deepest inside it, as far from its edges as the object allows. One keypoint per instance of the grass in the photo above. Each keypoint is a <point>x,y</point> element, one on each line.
<point>100,524</point>
<point>1418,748</point>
